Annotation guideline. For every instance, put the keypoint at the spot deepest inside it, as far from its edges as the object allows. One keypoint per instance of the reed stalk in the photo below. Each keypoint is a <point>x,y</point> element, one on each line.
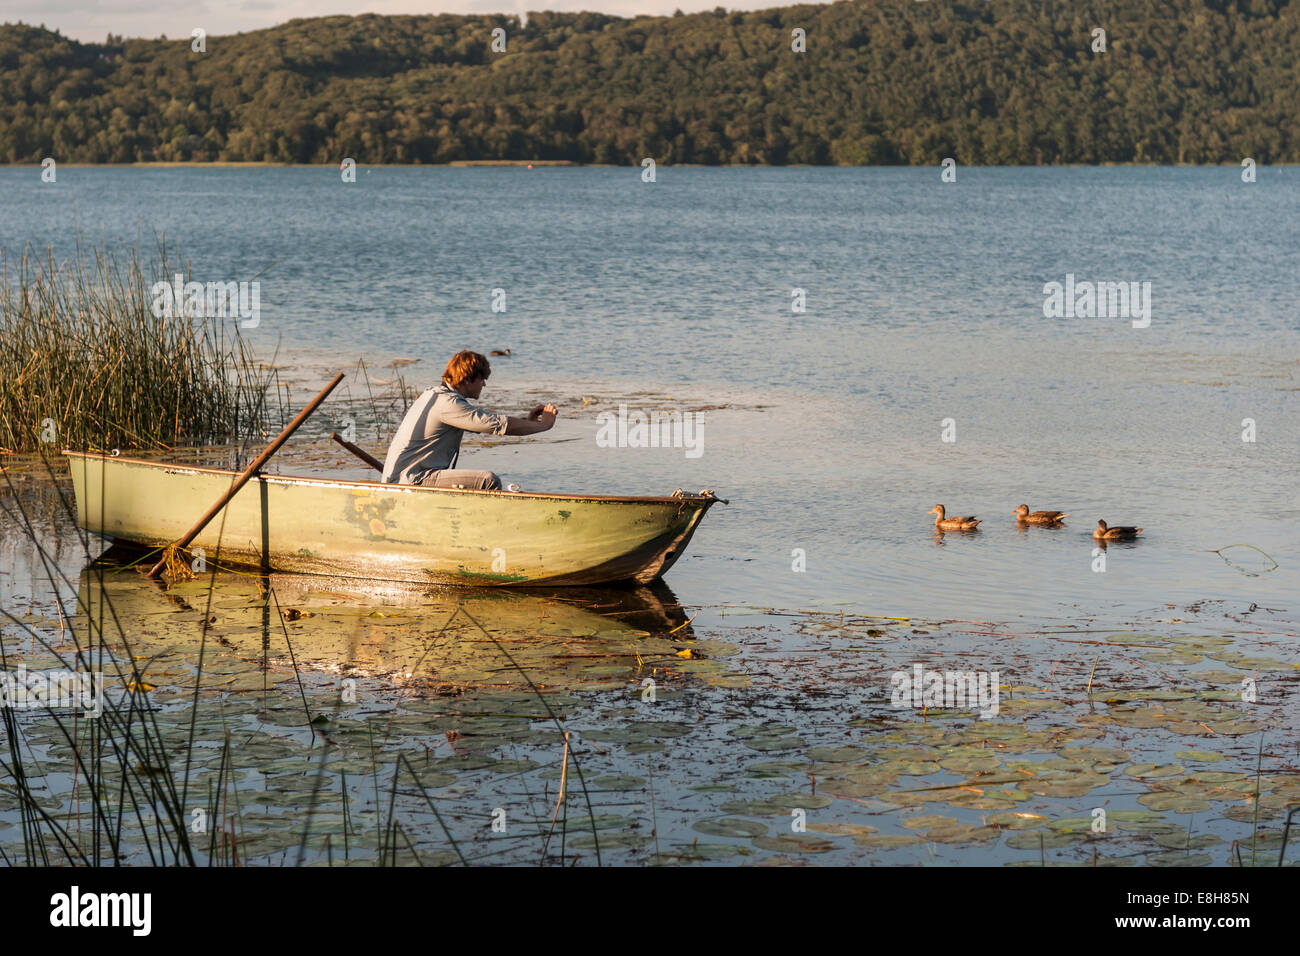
<point>85,362</point>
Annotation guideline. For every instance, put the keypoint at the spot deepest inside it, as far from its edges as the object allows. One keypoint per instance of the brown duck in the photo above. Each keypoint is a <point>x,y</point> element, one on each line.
<point>1113,534</point>
<point>963,523</point>
<point>1025,516</point>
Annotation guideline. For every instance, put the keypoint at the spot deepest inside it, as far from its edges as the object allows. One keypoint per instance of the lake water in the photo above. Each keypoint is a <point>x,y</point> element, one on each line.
<point>1156,690</point>
<point>924,302</point>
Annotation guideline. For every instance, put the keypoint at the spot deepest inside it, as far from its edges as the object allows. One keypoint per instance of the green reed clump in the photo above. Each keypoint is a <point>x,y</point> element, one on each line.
<point>84,362</point>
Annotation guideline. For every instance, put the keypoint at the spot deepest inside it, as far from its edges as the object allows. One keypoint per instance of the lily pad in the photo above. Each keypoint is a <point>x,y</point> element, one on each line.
<point>775,768</point>
<point>851,789</point>
<point>1146,771</point>
<point>1173,801</point>
<point>962,833</point>
<point>694,852</point>
<point>1081,785</point>
<point>842,829</point>
<point>748,731</point>
<point>804,801</point>
<point>1153,827</point>
<point>912,798</point>
<point>881,774</point>
<point>1172,657</point>
<point>467,762</point>
<point>435,779</point>
<point>1080,825</point>
<point>1279,801</point>
<point>1018,820</point>
<point>1110,755</point>
<point>645,747</point>
<point>794,843</point>
<point>918,768</point>
<point>970,763</point>
<point>620,841</point>
<point>1219,776</point>
<point>599,821</point>
<point>1199,756</point>
<point>836,754</point>
<point>1134,816</point>
<point>1180,841</point>
<point>1219,676</point>
<point>992,800</point>
<point>730,827</point>
<point>886,840</point>
<point>927,822</point>
<point>1248,814</point>
<point>668,728</point>
<point>1046,839</point>
<point>1179,858</point>
<point>755,808</point>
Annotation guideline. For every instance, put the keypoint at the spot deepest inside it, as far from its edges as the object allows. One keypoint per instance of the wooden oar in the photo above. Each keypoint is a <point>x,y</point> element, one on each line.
<point>360,452</point>
<point>242,480</point>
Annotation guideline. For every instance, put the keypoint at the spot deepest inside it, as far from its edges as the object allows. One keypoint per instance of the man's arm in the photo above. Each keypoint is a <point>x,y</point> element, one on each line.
<point>540,419</point>
<point>458,412</point>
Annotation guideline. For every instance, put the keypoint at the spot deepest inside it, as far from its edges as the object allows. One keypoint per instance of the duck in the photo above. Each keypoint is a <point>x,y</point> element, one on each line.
<point>1107,533</point>
<point>963,523</point>
<point>500,352</point>
<point>1025,516</point>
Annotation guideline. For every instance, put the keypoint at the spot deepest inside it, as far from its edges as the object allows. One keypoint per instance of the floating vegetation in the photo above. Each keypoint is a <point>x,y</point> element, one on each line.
<point>1240,562</point>
<point>794,843</point>
<point>731,827</point>
<point>400,727</point>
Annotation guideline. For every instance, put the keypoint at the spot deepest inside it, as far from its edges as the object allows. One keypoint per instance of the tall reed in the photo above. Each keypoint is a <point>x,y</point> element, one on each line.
<point>84,361</point>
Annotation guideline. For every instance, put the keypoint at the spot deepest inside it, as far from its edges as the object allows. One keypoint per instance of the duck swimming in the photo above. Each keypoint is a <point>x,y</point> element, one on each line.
<point>963,523</point>
<point>1025,516</point>
<point>499,352</point>
<point>1112,534</point>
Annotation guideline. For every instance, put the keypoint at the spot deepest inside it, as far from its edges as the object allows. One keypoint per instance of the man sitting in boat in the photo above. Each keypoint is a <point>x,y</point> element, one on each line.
<point>427,444</point>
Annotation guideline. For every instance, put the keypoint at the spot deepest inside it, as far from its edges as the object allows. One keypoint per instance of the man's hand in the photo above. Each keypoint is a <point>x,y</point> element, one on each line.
<point>540,419</point>
<point>545,414</point>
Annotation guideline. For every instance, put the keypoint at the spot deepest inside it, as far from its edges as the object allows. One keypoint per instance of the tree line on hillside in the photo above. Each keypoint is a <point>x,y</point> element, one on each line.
<point>880,82</point>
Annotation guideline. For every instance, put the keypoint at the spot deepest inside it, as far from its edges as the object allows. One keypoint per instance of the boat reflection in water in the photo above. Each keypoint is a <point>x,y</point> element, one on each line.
<point>572,638</point>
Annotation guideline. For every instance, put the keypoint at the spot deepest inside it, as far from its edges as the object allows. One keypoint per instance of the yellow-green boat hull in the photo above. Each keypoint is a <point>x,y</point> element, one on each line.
<point>372,530</point>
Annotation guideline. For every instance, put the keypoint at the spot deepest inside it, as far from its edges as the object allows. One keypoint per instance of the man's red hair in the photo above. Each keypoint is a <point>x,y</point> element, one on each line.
<point>465,366</point>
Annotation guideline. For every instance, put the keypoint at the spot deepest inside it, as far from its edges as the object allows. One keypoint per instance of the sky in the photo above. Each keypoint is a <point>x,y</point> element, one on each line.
<point>93,20</point>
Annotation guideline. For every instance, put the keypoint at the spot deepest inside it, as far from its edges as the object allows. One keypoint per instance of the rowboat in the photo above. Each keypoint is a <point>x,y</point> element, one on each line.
<point>377,531</point>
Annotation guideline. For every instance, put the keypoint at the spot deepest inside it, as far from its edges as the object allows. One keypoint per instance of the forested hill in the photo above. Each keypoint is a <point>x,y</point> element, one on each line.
<point>882,81</point>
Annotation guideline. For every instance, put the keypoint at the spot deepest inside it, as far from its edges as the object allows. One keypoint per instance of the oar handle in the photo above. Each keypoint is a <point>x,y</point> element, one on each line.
<point>248,473</point>
<point>360,452</point>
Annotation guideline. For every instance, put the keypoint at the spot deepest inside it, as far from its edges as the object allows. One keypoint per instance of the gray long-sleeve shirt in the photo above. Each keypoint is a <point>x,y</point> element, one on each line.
<point>428,439</point>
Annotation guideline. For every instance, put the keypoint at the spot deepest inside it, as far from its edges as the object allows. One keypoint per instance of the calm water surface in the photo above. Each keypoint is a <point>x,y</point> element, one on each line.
<point>924,303</point>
